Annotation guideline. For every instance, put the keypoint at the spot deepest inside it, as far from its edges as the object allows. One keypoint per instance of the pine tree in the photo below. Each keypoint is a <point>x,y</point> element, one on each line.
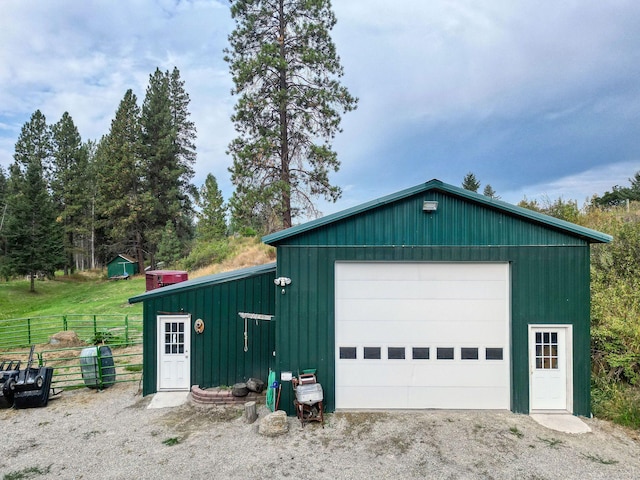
<point>470,182</point>
<point>211,218</point>
<point>169,247</point>
<point>168,155</point>
<point>490,192</point>
<point>69,184</point>
<point>34,244</point>
<point>3,197</point>
<point>4,189</point>
<point>123,203</point>
<point>620,195</point>
<point>286,73</point>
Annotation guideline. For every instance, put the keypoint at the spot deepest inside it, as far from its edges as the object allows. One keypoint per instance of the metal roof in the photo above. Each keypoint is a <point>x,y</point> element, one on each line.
<point>205,281</point>
<point>124,257</point>
<point>590,235</point>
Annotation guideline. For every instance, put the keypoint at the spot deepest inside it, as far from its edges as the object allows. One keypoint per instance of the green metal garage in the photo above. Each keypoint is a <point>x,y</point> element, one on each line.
<point>432,297</point>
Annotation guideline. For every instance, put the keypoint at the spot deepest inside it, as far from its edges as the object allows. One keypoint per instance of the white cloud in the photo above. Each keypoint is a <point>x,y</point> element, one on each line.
<point>581,186</point>
<point>416,65</point>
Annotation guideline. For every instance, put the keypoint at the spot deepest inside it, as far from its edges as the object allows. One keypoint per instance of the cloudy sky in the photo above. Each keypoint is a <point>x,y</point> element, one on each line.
<point>537,98</point>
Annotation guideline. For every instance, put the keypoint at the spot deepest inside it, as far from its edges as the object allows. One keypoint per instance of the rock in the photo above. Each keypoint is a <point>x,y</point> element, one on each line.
<point>240,390</point>
<point>255,385</point>
<point>67,338</point>
<point>274,424</point>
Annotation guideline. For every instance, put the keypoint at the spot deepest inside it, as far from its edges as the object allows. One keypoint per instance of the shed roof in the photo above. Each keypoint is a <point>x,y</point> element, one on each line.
<point>588,234</point>
<point>124,257</point>
<point>205,281</point>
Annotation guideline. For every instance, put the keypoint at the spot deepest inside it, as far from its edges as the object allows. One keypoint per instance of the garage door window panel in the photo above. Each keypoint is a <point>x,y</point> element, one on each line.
<point>396,353</point>
<point>444,353</point>
<point>467,353</point>
<point>494,354</point>
<point>348,353</point>
<point>372,353</point>
<point>420,353</point>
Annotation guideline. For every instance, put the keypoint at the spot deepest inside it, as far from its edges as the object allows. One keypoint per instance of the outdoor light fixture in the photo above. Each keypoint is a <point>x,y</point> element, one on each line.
<point>282,282</point>
<point>430,206</point>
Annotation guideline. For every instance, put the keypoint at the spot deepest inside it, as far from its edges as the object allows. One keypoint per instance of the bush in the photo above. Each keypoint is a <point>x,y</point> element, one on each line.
<point>615,401</point>
<point>206,253</point>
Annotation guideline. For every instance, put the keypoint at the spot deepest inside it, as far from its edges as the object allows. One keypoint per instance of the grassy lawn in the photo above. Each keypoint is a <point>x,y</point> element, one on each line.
<point>66,295</point>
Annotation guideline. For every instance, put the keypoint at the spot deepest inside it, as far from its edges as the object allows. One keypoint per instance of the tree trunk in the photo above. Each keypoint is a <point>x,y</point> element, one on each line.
<point>284,134</point>
<point>93,235</point>
<point>139,253</point>
<point>250,412</point>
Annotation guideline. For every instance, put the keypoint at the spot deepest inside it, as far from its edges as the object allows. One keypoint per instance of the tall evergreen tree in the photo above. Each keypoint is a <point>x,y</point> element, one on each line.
<point>169,247</point>
<point>185,128</point>
<point>490,192</point>
<point>168,154</point>
<point>4,273</point>
<point>34,244</point>
<point>286,72</point>
<point>3,198</point>
<point>69,183</point>
<point>211,218</point>
<point>470,182</point>
<point>185,131</point>
<point>123,202</point>
<point>89,228</point>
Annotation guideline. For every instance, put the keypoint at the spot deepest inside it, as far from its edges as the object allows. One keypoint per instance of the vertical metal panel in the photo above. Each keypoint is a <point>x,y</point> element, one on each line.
<point>457,222</point>
<point>217,355</point>
<point>549,285</point>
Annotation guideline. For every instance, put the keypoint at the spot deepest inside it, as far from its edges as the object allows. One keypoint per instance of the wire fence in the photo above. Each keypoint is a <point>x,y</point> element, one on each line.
<point>114,329</point>
<point>85,366</point>
<point>108,348</point>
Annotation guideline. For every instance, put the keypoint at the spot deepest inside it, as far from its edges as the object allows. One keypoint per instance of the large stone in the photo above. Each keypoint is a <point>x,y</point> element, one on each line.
<point>67,338</point>
<point>274,424</point>
<point>255,385</point>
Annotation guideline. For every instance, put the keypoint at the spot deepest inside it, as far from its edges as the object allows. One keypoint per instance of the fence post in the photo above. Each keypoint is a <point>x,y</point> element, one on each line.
<point>29,330</point>
<point>64,323</point>
<point>99,366</point>
<point>126,330</point>
<point>95,327</point>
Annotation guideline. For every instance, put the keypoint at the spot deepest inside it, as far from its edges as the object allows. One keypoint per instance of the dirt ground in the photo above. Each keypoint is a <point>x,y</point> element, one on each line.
<point>111,434</point>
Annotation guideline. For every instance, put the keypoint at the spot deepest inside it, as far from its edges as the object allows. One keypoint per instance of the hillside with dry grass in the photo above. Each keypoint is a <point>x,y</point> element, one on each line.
<point>246,252</point>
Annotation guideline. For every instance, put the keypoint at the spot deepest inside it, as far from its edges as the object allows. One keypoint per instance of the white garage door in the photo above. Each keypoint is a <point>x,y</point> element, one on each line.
<point>422,335</point>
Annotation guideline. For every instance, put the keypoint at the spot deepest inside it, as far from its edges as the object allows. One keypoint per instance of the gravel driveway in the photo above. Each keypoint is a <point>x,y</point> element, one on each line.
<point>85,434</point>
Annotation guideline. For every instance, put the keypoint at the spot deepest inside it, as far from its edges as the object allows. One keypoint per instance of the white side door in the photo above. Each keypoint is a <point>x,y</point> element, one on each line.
<point>174,341</point>
<point>549,367</point>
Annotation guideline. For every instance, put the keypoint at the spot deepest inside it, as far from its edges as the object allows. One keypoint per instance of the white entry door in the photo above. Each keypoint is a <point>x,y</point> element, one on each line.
<point>549,367</point>
<point>174,368</point>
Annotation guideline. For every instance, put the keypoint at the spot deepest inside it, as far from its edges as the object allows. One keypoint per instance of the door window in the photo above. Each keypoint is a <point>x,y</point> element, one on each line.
<point>546,350</point>
<point>174,338</point>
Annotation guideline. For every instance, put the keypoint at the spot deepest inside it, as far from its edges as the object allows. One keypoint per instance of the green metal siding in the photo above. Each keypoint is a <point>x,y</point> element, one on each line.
<point>437,187</point>
<point>217,355</point>
<point>550,285</point>
<point>120,266</point>
<point>457,221</point>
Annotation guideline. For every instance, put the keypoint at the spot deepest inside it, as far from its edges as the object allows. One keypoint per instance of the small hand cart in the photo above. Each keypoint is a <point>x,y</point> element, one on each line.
<point>309,399</point>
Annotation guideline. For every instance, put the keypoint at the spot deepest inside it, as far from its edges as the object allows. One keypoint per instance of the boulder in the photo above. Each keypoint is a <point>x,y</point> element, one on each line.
<point>255,385</point>
<point>240,390</point>
<point>67,338</point>
<point>274,424</point>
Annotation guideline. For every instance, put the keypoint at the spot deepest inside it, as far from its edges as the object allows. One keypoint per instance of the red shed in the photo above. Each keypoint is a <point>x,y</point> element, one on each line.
<point>161,278</point>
